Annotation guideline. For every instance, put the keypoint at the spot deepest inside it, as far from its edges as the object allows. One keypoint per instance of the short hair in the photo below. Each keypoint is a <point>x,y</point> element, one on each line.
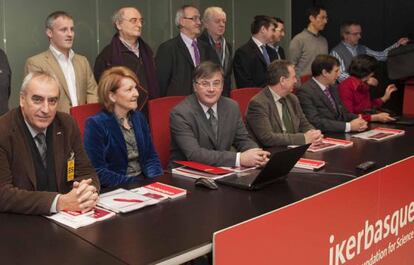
<point>208,13</point>
<point>261,21</point>
<point>110,81</point>
<point>323,62</point>
<point>278,20</point>
<point>314,11</point>
<point>42,75</point>
<point>362,66</point>
<point>55,15</point>
<point>207,69</point>
<point>180,14</point>
<point>276,70</point>
<point>344,28</point>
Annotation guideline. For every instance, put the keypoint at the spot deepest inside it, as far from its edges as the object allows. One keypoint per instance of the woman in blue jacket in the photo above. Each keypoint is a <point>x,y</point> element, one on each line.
<point>118,139</point>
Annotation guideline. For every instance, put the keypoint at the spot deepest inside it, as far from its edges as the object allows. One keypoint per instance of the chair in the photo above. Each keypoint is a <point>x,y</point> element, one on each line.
<point>408,105</point>
<point>82,112</point>
<point>243,96</point>
<point>159,121</point>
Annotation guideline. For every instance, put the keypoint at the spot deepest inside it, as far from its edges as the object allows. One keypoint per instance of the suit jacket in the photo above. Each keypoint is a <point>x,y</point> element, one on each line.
<point>319,111</point>
<point>18,191</point>
<point>192,137</point>
<point>175,66</point>
<point>106,147</point>
<point>5,78</point>
<point>228,61</point>
<point>265,124</point>
<point>250,66</point>
<point>86,87</point>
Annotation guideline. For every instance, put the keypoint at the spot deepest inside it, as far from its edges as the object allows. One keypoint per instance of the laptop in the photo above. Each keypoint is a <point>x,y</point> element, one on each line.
<point>276,169</point>
<point>402,120</point>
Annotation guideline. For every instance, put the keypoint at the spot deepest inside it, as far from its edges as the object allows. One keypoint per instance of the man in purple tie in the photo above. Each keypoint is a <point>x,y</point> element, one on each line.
<point>320,101</point>
<point>176,58</point>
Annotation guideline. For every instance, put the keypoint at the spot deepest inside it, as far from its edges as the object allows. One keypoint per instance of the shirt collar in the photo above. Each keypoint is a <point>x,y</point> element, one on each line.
<point>276,97</point>
<point>258,43</point>
<point>313,34</point>
<point>133,48</point>
<point>205,108</point>
<point>186,39</point>
<point>33,131</point>
<point>59,55</point>
<point>323,87</point>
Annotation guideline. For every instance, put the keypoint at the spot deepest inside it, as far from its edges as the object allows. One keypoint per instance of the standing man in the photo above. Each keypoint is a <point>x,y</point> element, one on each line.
<point>277,38</point>
<point>127,48</point>
<point>214,21</point>
<point>306,45</point>
<point>274,116</point>
<point>251,59</point>
<point>320,100</point>
<point>73,71</point>
<point>5,80</point>
<point>205,126</point>
<point>44,168</point>
<point>349,47</point>
<point>177,58</point>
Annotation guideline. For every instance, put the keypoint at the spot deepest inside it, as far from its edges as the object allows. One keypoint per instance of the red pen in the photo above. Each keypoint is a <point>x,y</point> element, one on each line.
<point>126,200</point>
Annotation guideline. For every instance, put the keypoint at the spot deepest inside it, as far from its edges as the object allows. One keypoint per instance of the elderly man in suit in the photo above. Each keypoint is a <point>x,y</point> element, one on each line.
<point>320,100</point>
<point>251,59</point>
<point>78,86</point>
<point>274,116</point>
<point>205,126</point>
<point>43,166</point>
<point>176,58</point>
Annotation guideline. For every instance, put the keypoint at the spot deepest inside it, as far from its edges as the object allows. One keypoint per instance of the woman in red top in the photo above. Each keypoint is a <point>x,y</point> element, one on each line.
<point>354,91</point>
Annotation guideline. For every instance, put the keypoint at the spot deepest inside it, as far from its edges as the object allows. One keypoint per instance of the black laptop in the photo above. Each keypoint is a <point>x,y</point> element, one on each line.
<point>278,166</point>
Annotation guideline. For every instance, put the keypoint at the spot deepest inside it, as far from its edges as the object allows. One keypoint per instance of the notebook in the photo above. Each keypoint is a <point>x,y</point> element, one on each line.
<point>278,166</point>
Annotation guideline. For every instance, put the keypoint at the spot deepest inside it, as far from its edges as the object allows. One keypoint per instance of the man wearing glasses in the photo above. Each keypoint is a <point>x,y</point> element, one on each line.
<point>349,47</point>
<point>205,126</point>
<point>177,57</point>
<point>127,48</point>
<point>78,86</point>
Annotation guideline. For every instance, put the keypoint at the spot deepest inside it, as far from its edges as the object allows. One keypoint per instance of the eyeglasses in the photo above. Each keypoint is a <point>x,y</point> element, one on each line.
<point>208,84</point>
<point>354,33</point>
<point>194,19</point>
<point>135,20</point>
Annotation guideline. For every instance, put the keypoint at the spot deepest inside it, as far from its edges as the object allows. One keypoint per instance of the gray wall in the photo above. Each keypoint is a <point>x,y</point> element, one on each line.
<point>22,25</point>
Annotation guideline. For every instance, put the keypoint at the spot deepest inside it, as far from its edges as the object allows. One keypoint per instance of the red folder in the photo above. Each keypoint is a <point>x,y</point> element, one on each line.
<point>204,167</point>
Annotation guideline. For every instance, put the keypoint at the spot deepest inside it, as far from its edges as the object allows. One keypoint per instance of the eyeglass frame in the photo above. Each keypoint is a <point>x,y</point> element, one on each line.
<point>134,20</point>
<point>194,19</point>
<point>208,84</point>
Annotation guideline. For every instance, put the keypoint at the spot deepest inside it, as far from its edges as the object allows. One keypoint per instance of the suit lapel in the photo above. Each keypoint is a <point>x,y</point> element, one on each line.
<point>51,60</point>
<point>204,123</point>
<point>78,74</point>
<point>113,127</point>
<point>322,95</point>
<point>273,109</point>
<point>59,154</point>
<point>257,51</point>
<point>184,50</point>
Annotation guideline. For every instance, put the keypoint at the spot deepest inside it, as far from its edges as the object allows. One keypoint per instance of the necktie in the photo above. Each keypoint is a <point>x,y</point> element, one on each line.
<point>196,52</point>
<point>287,120</point>
<point>265,54</point>
<point>41,146</point>
<point>217,45</point>
<point>328,94</point>
<point>213,121</point>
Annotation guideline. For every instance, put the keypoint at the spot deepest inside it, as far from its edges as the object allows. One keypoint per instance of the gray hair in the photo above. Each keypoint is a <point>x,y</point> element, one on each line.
<point>208,13</point>
<point>44,75</point>
<point>55,15</point>
<point>180,14</point>
<point>119,15</point>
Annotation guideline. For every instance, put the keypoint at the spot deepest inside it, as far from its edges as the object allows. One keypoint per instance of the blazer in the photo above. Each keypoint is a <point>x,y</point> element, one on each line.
<point>175,66</point>
<point>86,87</point>
<point>192,137</point>
<point>319,111</point>
<point>250,66</point>
<point>228,61</point>
<point>17,171</point>
<point>265,125</point>
<point>5,80</point>
<point>106,147</point>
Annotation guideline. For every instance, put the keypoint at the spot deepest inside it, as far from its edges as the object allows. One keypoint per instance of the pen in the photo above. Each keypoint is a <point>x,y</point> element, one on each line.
<point>126,200</point>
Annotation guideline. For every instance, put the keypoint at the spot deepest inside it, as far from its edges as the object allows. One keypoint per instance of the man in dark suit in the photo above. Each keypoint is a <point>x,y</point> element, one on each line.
<point>205,126</point>
<point>43,166</point>
<point>320,100</point>
<point>251,60</point>
<point>278,35</point>
<point>274,116</point>
<point>214,21</point>
<point>176,58</point>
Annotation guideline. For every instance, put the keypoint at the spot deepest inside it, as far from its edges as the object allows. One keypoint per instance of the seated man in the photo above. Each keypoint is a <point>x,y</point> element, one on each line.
<point>274,116</point>
<point>320,101</point>
<point>44,168</point>
<point>205,126</point>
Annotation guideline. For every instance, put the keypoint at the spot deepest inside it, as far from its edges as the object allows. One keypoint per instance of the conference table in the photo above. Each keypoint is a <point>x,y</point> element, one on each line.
<point>179,230</point>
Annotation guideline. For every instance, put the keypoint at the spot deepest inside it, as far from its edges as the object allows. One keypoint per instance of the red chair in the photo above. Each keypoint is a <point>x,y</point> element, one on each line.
<point>159,121</point>
<point>408,105</point>
<point>243,96</point>
<point>82,112</point>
